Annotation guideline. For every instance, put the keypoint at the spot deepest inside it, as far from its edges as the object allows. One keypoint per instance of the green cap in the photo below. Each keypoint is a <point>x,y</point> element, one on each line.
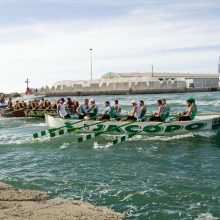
<point>191,99</point>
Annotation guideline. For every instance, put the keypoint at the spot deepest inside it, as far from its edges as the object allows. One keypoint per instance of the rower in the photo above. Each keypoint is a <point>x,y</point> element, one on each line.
<point>69,103</point>
<point>75,104</point>
<point>82,109</point>
<point>30,105</point>
<point>61,111</point>
<point>47,104</point>
<point>191,112</point>
<point>164,102</point>
<point>23,104</point>
<point>9,103</point>
<point>55,103</point>
<point>2,100</point>
<point>108,113</point>
<point>35,103</point>
<point>135,113</point>
<point>42,104</point>
<point>117,109</point>
<point>93,108</point>
<point>17,105</point>
<point>143,108</point>
<point>161,115</point>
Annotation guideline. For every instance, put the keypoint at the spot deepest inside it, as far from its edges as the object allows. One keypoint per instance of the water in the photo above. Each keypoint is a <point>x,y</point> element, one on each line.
<point>148,177</point>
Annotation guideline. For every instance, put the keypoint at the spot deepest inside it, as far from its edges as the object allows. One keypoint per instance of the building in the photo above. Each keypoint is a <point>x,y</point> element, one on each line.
<point>136,82</point>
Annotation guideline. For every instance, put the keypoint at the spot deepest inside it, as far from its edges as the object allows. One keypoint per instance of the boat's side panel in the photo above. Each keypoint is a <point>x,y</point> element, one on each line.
<point>145,127</point>
<point>14,113</point>
<point>40,113</point>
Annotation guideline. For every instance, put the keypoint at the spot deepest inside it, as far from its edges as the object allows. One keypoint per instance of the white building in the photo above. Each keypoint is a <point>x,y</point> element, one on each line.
<point>136,82</point>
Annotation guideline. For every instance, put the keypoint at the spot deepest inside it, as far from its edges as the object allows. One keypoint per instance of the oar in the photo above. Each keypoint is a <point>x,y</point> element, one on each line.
<point>51,130</point>
<point>49,107</point>
<point>93,135</point>
<point>67,130</point>
<point>130,135</point>
<point>32,110</point>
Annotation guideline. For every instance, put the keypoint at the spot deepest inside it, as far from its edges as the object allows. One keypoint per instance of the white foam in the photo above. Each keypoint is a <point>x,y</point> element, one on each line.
<point>64,146</point>
<point>206,216</point>
<point>101,146</point>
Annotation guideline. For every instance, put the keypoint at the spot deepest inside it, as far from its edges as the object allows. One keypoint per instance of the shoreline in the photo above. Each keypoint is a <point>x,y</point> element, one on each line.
<point>23,204</point>
<point>129,92</point>
<point>115,92</point>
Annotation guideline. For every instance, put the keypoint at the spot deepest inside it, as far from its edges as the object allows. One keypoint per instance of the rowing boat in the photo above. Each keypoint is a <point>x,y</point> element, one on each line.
<point>36,113</point>
<point>40,113</point>
<point>11,114</point>
<point>206,122</point>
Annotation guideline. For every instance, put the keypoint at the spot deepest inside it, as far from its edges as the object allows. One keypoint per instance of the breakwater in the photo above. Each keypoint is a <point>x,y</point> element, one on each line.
<point>90,92</point>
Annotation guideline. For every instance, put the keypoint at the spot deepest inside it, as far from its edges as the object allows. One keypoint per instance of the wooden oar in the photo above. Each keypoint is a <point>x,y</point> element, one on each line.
<point>49,107</point>
<point>130,135</point>
<point>32,110</point>
<point>51,130</point>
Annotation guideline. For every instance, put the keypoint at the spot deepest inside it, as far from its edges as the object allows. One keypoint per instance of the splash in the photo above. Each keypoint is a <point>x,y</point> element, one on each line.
<point>64,146</point>
<point>101,146</point>
<point>206,216</point>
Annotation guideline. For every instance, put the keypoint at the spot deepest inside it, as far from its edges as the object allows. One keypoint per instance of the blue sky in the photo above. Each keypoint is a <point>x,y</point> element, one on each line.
<point>49,40</point>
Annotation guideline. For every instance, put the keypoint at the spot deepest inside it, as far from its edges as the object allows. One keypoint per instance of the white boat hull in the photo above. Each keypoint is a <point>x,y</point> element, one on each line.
<point>199,124</point>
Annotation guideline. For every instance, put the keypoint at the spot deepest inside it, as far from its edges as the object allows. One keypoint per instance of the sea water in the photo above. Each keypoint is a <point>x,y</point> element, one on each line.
<point>147,177</point>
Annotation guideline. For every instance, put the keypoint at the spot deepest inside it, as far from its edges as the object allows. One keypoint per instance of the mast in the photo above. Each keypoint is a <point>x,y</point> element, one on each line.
<point>28,90</point>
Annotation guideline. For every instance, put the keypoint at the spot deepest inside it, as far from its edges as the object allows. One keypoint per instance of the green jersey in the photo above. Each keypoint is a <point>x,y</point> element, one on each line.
<point>194,112</point>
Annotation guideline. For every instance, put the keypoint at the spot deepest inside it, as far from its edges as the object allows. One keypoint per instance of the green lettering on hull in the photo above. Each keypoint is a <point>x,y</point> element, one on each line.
<point>132,128</point>
<point>99,128</point>
<point>171,128</point>
<point>195,126</point>
<point>114,128</point>
<point>152,128</point>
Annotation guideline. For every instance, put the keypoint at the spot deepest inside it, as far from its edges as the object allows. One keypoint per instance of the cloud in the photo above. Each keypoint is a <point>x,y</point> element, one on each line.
<point>125,36</point>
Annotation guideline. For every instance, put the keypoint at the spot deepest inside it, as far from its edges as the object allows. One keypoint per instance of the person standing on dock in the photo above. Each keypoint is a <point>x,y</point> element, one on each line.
<point>61,111</point>
<point>191,112</point>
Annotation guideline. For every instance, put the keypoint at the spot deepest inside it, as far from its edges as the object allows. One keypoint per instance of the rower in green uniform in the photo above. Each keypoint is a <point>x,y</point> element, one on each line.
<point>191,112</point>
<point>82,109</point>
<point>108,113</point>
<point>143,108</point>
<point>161,115</point>
<point>93,108</point>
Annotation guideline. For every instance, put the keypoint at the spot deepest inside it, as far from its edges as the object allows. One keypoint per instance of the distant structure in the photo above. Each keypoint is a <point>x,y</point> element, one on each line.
<point>219,65</point>
<point>28,90</point>
<point>136,83</point>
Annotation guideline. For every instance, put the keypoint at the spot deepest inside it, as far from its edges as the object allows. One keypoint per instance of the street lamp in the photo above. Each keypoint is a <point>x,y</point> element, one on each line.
<point>91,61</point>
<point>152,70</point>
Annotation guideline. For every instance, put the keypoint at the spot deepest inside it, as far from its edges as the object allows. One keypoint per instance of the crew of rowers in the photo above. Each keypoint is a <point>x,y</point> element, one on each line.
<point>89,110</point>
<point>42,104</point>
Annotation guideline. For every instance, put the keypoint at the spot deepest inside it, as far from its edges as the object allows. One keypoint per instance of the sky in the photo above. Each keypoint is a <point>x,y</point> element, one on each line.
<point>49,40</point>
